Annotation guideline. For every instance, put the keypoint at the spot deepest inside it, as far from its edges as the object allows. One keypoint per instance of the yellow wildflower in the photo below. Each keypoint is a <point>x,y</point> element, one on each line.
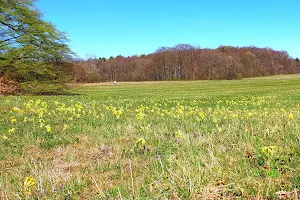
<point>29,183</point>
<point>141,141</point>
<point>13,120</point>
<point>201,115</point>
<point>12,130</point>
<point>178,134</point>
<point>25,119</point>
<point>48,128</point>
<point>269,150</point>
<point>65,127</point>
<point>16,109</point>
<point>42,125</point>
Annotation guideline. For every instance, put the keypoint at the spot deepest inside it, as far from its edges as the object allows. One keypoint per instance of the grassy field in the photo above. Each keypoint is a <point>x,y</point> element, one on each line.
<point>155,140</point>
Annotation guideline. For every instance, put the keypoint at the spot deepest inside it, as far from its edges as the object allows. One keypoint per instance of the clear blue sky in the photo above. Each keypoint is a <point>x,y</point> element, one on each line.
<point>105,28</point>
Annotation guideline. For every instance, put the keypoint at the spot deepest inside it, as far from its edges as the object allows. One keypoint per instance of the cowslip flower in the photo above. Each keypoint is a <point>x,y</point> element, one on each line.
<point>42,125</point>
<point>291,116</point>
<point>140,116</point>
<point>28,105</point>
<point>12,130</point>
<point>13,120</point>
<point>48,128</point>
<point>29,184</point>
<point>141,141</point>
<point>178,134</point>
<point>65,127</point>
<point>25,119</point>
<point>16,109</point>
<point>269,150</point>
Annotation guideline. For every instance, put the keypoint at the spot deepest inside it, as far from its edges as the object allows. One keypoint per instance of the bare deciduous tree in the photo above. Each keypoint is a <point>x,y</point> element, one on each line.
<point>187,62</point>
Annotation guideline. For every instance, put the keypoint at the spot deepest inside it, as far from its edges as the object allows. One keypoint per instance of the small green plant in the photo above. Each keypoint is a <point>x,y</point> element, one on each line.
<point>266,162</point>
<point>270,167</point>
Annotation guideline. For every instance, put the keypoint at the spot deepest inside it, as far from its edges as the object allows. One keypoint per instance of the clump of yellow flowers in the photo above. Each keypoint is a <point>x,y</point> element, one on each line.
<point>12,130</point>
<point>178,134</point>
<point>269,150</point>
<point>48,128</point>
<point>29,185</point>
<point>141,142</point>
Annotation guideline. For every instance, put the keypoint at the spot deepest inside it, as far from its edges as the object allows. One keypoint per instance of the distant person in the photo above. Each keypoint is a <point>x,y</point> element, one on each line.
<point>115,82</point>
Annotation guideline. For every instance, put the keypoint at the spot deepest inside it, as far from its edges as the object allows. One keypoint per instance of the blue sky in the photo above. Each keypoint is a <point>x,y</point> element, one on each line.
<point>105,28</point>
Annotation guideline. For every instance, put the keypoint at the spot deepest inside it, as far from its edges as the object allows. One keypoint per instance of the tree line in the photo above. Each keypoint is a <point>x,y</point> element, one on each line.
<point>187,62</point>
<point>35,58</point>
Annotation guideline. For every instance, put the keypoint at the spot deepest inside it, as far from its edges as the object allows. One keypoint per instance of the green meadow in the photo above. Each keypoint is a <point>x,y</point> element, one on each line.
<point>154,140</point>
